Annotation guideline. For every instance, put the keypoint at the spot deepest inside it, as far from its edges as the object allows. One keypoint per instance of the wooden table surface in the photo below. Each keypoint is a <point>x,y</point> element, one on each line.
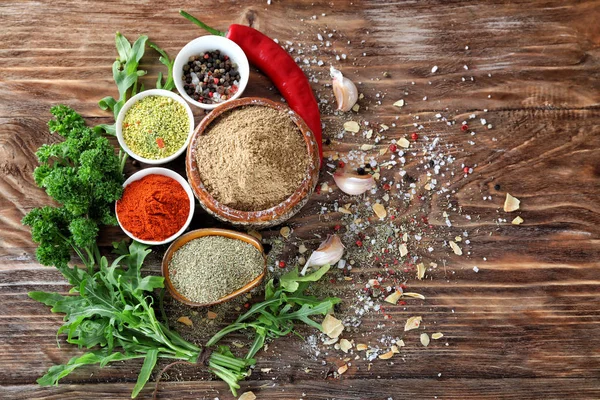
<point>526,326</point>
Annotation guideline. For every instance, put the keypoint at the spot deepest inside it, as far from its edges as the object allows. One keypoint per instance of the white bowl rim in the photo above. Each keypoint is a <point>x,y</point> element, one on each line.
<point>223,44</point>
<point>171,174</point>
<point>135,99</point>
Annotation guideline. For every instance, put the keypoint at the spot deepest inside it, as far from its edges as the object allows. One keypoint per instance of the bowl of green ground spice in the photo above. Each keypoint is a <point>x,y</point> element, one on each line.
<point>209,266</point>
<point>252,162</point>
<point>155,126</point>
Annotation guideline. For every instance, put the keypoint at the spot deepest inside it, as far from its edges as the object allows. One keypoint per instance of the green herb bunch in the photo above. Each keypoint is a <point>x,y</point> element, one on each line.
<point>126,74</point>
<point>285,304</point>
<point>82,174</point>
<point>112,309</point>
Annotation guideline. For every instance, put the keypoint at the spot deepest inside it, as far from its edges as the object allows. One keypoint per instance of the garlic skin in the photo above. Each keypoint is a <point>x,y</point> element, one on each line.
<point>345,91</point>
<point>329,252</point>
<point>353,184</point>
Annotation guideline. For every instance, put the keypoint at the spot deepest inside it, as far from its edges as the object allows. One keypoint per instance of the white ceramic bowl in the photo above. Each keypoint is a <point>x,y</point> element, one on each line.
<point>202,45</point>
<point>171,174</point>
<point>135,99</point>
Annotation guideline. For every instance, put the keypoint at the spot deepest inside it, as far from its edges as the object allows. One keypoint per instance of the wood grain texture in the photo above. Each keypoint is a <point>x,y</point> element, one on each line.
<point>526,326</point>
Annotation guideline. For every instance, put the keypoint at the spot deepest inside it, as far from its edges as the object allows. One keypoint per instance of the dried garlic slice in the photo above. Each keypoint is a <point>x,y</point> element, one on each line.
<point>379,210</point>
<point>437,335</point>
<point>403,249</point>
<point>457,250</point>
<point>386,356</point>
<point>517,221</point>
<point>399,103</point>
<point>247,396</point>
<point>367,147</point>
<point>420,271</point>
<point>345,345</point>
<point>343,369</point>
<point>285,232</point>
<point>511,203</point>
<point>351,126</point>
<point>361,347</point>
<point>424,339</point>
<point>413,295</point>
<point>332,326</point>
<point>403,142</point>
<point>393,298</point>
<point>412,323</point>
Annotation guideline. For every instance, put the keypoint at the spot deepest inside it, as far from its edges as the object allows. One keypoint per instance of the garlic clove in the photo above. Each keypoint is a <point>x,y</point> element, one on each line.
<point>344,90</point>
<point>352,183</point>
<point>329,252</point>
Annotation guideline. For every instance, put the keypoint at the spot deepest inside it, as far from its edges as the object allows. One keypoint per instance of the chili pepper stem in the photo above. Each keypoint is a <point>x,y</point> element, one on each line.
<point>201,24</point>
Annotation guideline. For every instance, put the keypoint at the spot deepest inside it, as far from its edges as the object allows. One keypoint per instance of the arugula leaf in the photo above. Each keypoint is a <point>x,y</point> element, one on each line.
<point>149,364</point>
<point>164,58</point>
<point>112,308</point>
<point>290,281</point>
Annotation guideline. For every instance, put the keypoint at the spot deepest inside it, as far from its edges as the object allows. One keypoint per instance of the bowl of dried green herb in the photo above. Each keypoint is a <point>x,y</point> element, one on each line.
<point>253,162</point>
<point>155,126</point>
<point>210,266</point>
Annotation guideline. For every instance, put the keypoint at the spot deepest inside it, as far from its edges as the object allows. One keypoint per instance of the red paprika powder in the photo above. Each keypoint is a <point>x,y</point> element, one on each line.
<point>153,208</point>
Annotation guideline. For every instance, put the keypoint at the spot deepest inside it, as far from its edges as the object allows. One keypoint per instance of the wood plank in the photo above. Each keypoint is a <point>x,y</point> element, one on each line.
<point>524,327</point>
<point>373,389</point>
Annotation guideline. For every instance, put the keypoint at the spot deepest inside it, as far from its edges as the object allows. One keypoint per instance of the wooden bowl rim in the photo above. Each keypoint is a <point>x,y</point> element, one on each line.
<point>272,213</point>
<point>198,233</point>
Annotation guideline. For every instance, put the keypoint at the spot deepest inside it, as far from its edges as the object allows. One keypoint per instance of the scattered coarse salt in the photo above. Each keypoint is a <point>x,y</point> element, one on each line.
<point>434,69</point>
<point>476,269</point>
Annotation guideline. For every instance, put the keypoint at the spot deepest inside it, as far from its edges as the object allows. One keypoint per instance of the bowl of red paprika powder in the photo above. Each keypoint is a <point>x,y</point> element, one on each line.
<point>157,206</point>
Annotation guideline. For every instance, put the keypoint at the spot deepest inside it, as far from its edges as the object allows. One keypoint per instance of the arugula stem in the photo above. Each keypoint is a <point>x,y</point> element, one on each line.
<point>225,331</point>
<point>123,156</point>
<point>201,24</point>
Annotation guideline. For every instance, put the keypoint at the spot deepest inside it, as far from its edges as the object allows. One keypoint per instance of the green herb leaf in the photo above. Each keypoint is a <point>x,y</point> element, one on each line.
<point>164,58</point>
<point>144,375</point>
<point>290,281</point>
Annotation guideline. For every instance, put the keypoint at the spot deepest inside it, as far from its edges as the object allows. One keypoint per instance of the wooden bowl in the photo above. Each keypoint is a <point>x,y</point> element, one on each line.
<point>210,232</point>
<point>263,218</point>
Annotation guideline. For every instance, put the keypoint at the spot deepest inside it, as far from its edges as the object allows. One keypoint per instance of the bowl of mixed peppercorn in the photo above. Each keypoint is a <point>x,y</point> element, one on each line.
<point>210,70</point>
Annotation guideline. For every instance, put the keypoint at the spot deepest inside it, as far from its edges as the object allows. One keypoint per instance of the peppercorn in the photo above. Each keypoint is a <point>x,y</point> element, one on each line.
<point>496,187</point>
<point>361,171</point>
<point>327,141</point>
<point>210,82</point>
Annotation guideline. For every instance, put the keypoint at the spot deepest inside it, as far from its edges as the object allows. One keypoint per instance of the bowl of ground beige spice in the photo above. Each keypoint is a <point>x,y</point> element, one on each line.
<point>209,266</point>
<point>252,162</point>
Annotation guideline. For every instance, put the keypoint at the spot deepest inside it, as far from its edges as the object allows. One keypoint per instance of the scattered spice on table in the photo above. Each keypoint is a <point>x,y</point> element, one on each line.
<point>153,208</point>
<point>252,158</point>
<point>156,127</point>
<point>208,268</point>
<point>211,77</point>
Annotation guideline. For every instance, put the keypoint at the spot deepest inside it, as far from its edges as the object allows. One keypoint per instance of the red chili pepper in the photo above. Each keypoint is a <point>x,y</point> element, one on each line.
<point>160,143</point>
<point>341,164</point>
<point>414,136</point>
<point>281,264</point>
<point>393,148</point>
<point>279,66</point>
<point>464,128</point>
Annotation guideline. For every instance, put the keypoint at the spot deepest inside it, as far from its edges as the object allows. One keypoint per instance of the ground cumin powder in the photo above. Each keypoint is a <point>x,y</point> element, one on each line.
<point>252,158</point>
